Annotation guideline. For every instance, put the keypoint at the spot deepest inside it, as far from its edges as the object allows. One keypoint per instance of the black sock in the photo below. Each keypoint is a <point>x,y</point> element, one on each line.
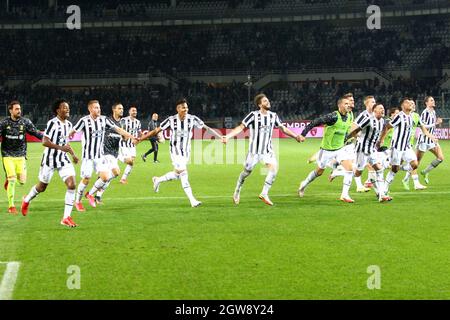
<point>148,152</point>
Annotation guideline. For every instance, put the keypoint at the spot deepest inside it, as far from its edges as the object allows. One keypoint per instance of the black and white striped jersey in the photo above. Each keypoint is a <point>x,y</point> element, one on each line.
<point>428,119</point>
<point>133,127</point>
<point>181,133</point>
<point>362,117</point>
<point>261,128</point>
<point>58,133</point>
<point>93,135</point>
<point>403,125</point>
<point>371,129</point>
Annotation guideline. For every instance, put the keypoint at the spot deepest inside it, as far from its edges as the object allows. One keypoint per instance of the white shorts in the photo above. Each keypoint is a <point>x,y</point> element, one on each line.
<point>384,158</point>
<point>363,159</point>
<point>326,156</point>
<point>252,160</point>
<point>87,165</point>
<point>398,156</point>
<point>127,153</point>
<point>46,173</point>
<point>111,162</point>
<point>179,162</point>
<point>350,149</point>
<point>424,147</point>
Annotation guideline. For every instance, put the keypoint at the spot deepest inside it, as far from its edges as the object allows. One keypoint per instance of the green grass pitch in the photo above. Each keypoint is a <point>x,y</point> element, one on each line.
<point>142,245</point>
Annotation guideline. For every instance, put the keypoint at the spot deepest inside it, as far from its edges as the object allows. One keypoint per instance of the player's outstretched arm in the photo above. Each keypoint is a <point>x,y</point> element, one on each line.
<point>233,133</point>
<point>149,134</point>
<point>218,136</point>
<point>353,132</point>
<point>328,119</point>
<point>124,133</point>
<point>291,134</point>
<point>71,134</point>
<point>383,135</point>
<point>32,130</point>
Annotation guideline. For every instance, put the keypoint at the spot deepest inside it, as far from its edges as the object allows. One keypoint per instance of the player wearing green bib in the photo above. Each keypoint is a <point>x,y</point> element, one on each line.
<point>337,125</point>
<point>416,119</point>
<point>392,113</point>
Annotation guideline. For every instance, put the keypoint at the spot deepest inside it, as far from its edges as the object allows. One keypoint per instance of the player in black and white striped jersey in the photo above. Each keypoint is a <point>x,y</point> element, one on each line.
<point>111,146</point>
<point>424,143</point>
<point>127,151</point>
<point>401,149</point>
<point>181,125</point>
<point>93,127</point>
<point>369,103</point>
<point>261,124</point>
<point>55,159</point>
<point>366,151</point>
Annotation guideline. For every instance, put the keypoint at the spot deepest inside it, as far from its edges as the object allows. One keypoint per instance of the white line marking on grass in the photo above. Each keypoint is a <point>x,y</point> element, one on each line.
<point>9,280</point>
<point>293,194</point>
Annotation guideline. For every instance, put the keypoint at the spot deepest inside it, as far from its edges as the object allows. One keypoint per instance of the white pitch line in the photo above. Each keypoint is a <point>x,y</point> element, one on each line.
<point>293,194</point>
<point>9,280</point>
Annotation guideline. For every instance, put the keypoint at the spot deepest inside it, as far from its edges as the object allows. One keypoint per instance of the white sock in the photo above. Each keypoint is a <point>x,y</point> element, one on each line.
<point>242,176</point>
<point>105,186</point>
<point>270,178</point>
<point>70,197</point>
<point>371,176</point>
<point>407,175</point>
<point>80,191</point>
<point>379,184</point>
<point>186,186</point>
<point>31,195</point>
<point>348,177</point>
<point>126,172</point>
<point>168,176</point>
<point>406,167</point>
<point>99,184</point>
<point>359,184</point>
<point>389,178</point>
<point>415,178</point>
<point>311,177</point>
<point>432,165</point>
